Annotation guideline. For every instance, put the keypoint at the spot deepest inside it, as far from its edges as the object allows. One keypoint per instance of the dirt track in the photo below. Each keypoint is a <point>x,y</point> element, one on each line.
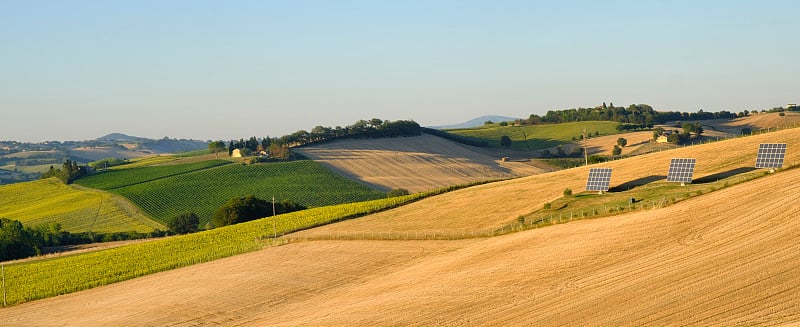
<point>707,261</point>
<point>417,164</point>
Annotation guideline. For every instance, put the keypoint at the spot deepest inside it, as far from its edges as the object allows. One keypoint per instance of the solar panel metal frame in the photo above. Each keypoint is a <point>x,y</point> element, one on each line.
<point>681,170</point>
<point>770,155</point>
<point>599,179</point>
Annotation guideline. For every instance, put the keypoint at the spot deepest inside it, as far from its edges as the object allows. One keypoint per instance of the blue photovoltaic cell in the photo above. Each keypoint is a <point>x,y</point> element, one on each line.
<point>599,178</point>
<point>770,155</point>
<point>681,170</point>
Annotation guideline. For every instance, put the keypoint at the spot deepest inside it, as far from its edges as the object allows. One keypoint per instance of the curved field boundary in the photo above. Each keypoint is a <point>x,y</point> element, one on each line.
<point>76,209</point>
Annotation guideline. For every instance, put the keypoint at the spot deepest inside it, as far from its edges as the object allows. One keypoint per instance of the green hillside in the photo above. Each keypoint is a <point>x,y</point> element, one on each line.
<point>137,175</point>
<point>538,136</point>
<point>204,190</point>
<point>76,209</point>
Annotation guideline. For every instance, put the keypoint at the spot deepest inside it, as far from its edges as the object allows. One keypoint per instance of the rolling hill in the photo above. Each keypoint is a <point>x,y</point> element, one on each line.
<point>76,209</point>
<point>417,164</point>
<point>706,261</point>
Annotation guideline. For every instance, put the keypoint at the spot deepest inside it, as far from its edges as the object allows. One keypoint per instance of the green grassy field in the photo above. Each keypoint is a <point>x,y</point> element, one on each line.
<point>538,136</point>
<point>137,175</point>
<point>204,190</point>
<point>77,210</point>
<point>27,281</point>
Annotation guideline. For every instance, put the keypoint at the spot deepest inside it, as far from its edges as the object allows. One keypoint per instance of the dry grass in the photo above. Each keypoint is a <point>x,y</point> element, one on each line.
<point>417,164</point>
<point>496,204</point>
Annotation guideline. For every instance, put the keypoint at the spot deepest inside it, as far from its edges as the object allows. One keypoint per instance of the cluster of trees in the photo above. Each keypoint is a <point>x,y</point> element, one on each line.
<point>636,115</point>
<point>361,129</point>
<point>69,172</point>
<point>680,138</point>
<point>18,241</point>
<point>242,209</point>
<point>279,147</point>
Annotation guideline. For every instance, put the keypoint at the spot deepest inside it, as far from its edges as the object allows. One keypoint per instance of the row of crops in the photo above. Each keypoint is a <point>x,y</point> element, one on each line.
<point>136,175</point>
<point>27,281</point>
<point>203,191</point>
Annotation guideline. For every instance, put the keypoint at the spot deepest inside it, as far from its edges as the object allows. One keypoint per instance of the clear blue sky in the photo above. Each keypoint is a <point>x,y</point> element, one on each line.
<point>75,70</point>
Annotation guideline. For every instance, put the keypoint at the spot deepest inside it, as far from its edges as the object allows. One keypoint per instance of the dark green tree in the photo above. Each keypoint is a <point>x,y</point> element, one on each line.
<point>242,209</point>
<point>15,240</point>
<point>622,142</point>
<point>617,150</point>
<point>184,223</point>
<point>505,141</point>
<point>216,147</point>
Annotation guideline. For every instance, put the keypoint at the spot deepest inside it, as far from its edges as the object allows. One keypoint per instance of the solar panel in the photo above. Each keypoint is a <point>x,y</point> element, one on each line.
<point>770,155</point>
<point>599,178</point>
<point>681,170</point>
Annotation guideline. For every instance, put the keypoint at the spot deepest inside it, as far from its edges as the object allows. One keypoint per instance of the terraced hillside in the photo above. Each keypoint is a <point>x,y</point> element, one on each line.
<point>76,209</point>
<point>414,163</point>
<point>725,258</point>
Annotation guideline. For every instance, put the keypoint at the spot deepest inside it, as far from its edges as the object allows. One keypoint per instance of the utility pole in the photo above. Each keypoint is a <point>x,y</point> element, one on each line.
<point>3,268</point>
<point>585,152</point>
<point>274,230</point>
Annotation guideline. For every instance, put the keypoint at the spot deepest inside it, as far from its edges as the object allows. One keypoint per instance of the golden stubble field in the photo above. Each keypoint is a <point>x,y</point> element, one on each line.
<point>725,258</point>
<point>417,164</point>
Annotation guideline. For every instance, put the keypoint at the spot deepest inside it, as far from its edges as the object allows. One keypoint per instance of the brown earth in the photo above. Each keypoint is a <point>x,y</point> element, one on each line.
<point>417,164</point>
<point>725,258</point>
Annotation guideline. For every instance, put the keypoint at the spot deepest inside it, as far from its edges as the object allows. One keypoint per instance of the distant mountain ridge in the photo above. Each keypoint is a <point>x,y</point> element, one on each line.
<point>476,122</point>
<point>119,137</point>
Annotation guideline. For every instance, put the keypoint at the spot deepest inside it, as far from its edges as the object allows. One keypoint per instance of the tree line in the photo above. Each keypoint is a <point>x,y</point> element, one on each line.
<point>18,241</point>
<point>277,147</point>
<point>69,172</point>
<point>636,116</point>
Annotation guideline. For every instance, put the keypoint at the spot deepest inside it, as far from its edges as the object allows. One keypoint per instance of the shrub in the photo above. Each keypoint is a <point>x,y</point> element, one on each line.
<point>184,223</point>
<point>547,205</point>
<point>397,192</point>
<point>567,192</point>
<point>241,209</point>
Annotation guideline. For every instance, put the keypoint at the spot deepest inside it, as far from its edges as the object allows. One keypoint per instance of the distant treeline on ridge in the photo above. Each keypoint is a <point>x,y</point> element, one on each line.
<point>636,114</point>
<point>361,129</point>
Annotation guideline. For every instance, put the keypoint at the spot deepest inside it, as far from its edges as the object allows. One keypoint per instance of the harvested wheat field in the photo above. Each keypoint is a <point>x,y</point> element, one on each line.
<point>756,122</point>
<point>725,258</point>
<point>496,204</point>
<point>604,145</point>
<point>417,164</point>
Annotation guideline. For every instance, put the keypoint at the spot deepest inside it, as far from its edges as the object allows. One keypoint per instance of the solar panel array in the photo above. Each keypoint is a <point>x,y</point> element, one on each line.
<point>681,170</point>
<point>599,178</point>
<point>770,155</point>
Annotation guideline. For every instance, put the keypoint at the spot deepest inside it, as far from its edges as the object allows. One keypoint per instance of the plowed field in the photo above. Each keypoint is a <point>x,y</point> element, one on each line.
<point>417,164</point>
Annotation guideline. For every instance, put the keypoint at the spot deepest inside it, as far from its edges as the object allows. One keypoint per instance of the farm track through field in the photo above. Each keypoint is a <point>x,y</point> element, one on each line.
<point>633,269</point>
